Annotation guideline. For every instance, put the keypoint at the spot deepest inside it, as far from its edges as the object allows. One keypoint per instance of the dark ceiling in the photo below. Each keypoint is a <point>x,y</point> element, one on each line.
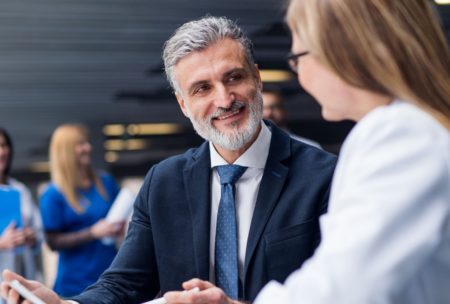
<point>99,62</point>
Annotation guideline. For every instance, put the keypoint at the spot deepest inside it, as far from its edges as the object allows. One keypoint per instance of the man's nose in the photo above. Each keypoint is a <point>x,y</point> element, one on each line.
<point>224,98</point>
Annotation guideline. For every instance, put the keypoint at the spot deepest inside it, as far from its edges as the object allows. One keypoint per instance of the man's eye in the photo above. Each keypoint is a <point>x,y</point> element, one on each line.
<point>234,77</point>
<point>201,89</point>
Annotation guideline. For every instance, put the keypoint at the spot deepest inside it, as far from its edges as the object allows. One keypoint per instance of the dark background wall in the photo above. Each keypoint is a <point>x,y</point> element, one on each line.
<point>99,62</point>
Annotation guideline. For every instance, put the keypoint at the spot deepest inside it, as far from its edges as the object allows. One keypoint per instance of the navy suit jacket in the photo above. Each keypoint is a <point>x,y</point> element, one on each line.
<point>169,235</point>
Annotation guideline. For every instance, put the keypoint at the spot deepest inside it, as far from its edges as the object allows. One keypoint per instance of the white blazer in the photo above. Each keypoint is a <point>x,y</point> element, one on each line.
<point>386,237</point>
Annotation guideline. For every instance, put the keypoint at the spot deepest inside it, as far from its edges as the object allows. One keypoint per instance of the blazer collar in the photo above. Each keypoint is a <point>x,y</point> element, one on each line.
<point>273,180</point>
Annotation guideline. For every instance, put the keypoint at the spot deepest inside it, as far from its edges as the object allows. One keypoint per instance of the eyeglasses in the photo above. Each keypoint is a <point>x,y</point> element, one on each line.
<point>292,60</point>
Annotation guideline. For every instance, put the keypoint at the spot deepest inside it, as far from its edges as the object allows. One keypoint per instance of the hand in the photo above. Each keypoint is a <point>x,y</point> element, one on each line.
<point>104,228</point>
<point>12,237</point>
<point>209,293</point>
<point>30,236</point>
<point>44,293</point>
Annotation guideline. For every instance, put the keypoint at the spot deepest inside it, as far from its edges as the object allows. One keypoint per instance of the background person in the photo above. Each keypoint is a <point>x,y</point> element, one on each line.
<point>25,261</point>
<point>73,208</point>
<point>386,238</point>
<point>274,109</point>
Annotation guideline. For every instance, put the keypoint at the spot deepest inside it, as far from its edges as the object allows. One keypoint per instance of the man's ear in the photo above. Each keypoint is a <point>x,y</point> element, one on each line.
<point>182,104</point>
<point>258,77</point>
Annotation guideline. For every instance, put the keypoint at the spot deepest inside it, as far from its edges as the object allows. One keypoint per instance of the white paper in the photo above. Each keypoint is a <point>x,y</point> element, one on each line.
<point>120,210</point>
<point>122,206</point>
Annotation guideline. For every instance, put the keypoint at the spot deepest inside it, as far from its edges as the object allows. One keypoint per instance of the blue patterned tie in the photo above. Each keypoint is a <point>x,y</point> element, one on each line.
<point>226,253</point>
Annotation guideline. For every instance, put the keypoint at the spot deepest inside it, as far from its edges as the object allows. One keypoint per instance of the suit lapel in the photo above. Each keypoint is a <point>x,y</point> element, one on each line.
<point>197,182</point>
<point>271,185</point>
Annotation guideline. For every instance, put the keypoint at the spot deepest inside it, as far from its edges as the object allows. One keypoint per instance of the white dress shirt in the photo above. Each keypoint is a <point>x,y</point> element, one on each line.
<point>386,237</point>
<point>246,192</point>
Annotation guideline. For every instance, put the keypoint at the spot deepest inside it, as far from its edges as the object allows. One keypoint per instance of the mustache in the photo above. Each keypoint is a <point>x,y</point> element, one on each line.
<point>236,105</point>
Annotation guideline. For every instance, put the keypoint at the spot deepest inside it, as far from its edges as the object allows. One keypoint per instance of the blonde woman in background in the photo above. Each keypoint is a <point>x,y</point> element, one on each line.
<point>19,246</point>
<point>73,208</point>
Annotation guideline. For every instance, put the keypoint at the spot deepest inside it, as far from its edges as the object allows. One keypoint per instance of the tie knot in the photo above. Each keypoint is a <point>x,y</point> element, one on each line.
<point>229,174</point>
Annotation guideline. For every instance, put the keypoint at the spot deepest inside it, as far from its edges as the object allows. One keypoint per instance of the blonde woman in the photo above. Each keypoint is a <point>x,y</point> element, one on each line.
<point>73,208</point>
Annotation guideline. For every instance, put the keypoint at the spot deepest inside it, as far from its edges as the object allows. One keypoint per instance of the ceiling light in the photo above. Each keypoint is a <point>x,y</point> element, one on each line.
<point>120,145</point>
<point>142,129</point>
<point>275,75</point>
<point>442,1</point>
<point>135,144</point>
<point>154,129</point>
<point>111,157</point>
<point>113,130</point>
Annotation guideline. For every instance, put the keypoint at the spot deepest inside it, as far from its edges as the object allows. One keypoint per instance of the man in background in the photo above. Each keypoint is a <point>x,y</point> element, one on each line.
<point>275,110</point>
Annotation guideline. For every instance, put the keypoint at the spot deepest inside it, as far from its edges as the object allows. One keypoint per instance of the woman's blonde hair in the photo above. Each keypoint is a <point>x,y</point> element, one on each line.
<point>392,47</point>
<point>63,163</point>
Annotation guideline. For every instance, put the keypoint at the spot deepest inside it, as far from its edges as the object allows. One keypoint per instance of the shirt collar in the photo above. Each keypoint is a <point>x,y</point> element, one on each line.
<point>254,157</point>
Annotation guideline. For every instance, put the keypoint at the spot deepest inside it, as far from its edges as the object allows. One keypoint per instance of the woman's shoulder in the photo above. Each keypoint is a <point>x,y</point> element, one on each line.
<point>52,198</point>
<point>398,129</point>
<point>14,183</point>
<point>408,116</point>
<point>51,190</point>
<point>23,190</point>
<point>400,120</point>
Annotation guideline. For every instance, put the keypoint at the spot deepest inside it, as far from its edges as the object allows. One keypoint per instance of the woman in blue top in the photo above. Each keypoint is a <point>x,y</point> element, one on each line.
<point>73,208</point>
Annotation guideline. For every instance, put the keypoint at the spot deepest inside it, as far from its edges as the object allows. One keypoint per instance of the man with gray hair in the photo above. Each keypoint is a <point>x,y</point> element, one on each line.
<point>240,210</point>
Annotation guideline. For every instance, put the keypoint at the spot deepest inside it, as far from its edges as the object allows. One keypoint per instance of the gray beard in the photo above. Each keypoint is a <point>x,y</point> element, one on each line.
<point>235,139</point>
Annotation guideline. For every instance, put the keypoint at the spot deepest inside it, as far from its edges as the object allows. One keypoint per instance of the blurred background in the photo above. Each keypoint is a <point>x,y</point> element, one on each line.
<point>98,62</point>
